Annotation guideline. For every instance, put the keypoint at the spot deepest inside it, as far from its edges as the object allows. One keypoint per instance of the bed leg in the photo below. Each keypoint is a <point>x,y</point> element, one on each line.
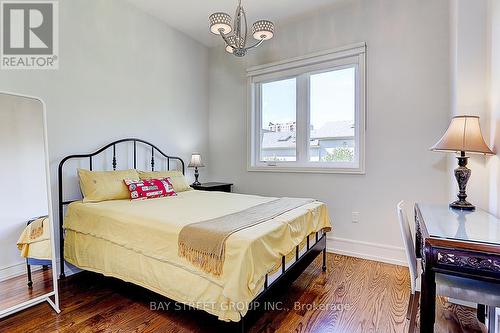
<point>28,270</point>
<point>241,326</point>
<point>324,260</point>
<point>62,275</point>
<point>61,249</point>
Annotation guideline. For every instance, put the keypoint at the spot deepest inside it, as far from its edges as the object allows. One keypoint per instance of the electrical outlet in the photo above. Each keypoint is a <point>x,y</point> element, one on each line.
<point>355,217</point>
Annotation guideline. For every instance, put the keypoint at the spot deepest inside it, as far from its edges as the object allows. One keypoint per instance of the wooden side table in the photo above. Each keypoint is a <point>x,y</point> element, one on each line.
<point>459,243</point>
<point>213,186</point>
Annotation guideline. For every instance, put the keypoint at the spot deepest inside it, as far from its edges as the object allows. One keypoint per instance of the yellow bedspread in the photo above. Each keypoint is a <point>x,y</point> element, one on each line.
<point>151,227</point>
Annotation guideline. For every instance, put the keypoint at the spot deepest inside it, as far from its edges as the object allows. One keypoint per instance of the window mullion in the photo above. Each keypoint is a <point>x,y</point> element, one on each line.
<point>258,122</point>
<point>307,113</point>
<point>302,119</point>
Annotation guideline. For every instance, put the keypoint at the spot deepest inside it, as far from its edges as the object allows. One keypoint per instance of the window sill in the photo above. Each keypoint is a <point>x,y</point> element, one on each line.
<point>355,171</point>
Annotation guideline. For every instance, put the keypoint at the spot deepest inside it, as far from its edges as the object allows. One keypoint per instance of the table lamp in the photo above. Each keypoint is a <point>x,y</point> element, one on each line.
<point>463,135</point>
<point>196,163</point>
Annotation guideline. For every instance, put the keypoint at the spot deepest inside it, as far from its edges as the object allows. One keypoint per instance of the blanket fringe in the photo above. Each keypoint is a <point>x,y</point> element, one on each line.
<point>208,262</point>
<point>211,262</point>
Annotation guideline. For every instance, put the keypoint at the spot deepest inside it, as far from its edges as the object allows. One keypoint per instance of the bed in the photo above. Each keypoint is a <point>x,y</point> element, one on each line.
<point>136,241</point>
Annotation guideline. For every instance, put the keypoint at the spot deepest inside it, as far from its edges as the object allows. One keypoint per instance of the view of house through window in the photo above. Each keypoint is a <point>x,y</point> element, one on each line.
<point>332,115</point>
<point>278,139</point>
<point>332,110</point>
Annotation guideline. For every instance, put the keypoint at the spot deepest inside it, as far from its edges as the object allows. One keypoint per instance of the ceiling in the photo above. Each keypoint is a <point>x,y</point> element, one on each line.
<point>191,16</point>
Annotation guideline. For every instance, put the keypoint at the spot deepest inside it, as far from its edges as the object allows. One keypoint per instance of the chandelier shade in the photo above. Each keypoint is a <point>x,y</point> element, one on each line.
<point>233,42</point>
<point>263,30</point>
<point>220,23</point>
<point>234,32</point>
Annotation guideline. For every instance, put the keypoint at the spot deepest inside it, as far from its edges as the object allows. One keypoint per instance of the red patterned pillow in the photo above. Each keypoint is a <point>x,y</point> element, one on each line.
<point>150,188</point>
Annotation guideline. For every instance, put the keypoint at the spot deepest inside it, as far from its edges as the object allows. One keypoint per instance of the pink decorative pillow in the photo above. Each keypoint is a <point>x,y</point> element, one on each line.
<point>150,188</point>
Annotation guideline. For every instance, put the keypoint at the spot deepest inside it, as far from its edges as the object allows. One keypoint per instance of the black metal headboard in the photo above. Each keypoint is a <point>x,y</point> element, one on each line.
<point>90,156</point>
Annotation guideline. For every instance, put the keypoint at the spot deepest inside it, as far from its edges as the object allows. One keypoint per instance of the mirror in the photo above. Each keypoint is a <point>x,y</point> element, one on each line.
<point>27,264</point>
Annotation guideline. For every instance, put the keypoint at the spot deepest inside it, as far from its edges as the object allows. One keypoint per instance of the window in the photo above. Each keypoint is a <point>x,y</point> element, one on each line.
<point>279,110</point>
<point>307,114</point>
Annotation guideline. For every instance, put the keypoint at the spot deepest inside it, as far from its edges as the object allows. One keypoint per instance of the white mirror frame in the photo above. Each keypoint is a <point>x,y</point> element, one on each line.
<point>55,292</point>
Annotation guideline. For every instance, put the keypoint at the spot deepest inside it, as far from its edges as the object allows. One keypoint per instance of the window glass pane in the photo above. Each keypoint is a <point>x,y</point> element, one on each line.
<point>278,126</point>
<point>332,105</point>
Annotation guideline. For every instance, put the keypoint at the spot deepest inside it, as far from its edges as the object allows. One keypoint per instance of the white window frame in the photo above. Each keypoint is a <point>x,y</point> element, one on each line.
<point>301,68</point>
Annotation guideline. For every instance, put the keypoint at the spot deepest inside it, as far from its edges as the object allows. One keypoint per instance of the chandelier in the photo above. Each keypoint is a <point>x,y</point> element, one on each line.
<point>236,42</point>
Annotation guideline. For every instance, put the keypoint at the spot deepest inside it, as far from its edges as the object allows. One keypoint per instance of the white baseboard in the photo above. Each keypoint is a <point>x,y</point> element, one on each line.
<point>372,251</point>
<point>14,270</point>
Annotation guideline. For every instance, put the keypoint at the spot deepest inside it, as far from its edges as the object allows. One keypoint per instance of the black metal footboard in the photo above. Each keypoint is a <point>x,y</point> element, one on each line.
<point>314,246</point>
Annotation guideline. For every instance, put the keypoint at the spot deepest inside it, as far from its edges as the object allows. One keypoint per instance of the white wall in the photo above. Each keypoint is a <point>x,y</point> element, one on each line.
<point>123,73</point>
<point>469,74</point>
<point>494,116</point>
<point>24,193</point>
<point>475,78</point>
<point>408,108</point>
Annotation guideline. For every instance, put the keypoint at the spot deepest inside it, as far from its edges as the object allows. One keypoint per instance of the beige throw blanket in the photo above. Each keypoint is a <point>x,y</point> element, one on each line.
<point>34,241</point>
<point>203,243</point>
<point>37,228</point>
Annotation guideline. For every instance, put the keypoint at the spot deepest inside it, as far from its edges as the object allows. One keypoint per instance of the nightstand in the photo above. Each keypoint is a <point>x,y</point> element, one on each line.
<point>213,186</point>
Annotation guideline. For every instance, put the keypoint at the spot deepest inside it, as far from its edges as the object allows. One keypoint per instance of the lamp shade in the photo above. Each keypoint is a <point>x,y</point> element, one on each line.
<point>195,161</point>
<point>263,29</point>
<point>231,43</point>
<point>234,42</point>
<point>220,22</point>
<point>463,134</point>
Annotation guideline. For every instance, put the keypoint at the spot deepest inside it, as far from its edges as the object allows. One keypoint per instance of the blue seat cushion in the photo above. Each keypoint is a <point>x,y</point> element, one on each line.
<point>41,262</point>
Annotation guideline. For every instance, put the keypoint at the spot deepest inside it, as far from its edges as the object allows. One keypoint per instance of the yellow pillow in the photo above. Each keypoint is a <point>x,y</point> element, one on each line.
<point>105,185</point>
<point>179,182</point>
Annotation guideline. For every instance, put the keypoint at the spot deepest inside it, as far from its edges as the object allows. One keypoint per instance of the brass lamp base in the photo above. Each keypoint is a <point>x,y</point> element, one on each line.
<point>462,174</point>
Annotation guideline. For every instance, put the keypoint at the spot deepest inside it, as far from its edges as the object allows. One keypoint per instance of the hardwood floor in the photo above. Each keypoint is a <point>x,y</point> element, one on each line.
<point>15,290</point>
<point>354,295</point>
